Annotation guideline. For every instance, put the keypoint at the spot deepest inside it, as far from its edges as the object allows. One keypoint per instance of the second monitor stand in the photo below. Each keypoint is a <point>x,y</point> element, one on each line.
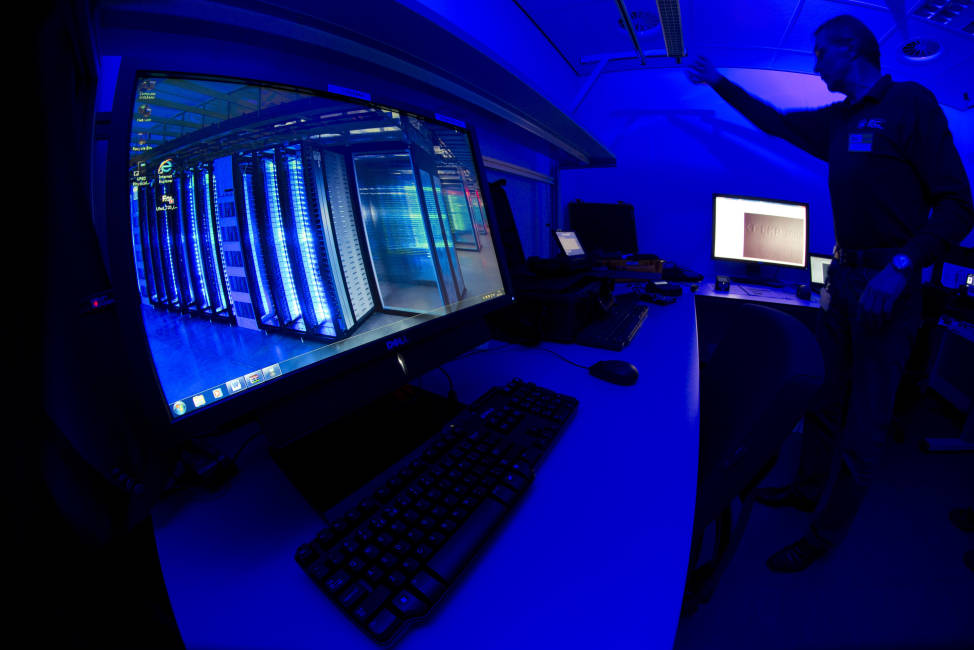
<point>753,275</point>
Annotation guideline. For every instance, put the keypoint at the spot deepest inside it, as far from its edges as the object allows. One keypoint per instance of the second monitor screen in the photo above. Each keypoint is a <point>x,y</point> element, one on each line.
<point>760,230</point>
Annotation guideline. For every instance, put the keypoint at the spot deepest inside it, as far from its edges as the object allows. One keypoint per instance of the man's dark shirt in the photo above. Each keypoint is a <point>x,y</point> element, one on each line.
<point>891,159</point>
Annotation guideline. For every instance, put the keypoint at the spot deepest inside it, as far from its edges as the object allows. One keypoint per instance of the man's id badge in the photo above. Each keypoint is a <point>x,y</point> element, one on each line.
<point>860,142</point>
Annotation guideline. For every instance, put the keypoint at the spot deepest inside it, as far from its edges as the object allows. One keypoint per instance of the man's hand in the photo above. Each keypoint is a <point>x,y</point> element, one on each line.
<point>701,71</point>
<point>877,299</point>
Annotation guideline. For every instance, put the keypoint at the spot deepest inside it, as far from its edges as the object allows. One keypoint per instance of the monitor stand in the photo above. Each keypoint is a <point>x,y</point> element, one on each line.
<point>331,463</point>
<point>753,276</point>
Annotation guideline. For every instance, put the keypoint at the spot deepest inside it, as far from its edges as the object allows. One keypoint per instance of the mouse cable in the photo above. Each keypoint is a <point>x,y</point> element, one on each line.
<point>451,394</point>
<point>577,365</point>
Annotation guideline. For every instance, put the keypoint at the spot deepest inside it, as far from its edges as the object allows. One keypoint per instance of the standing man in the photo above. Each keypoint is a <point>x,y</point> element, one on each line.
<point>900,198</point>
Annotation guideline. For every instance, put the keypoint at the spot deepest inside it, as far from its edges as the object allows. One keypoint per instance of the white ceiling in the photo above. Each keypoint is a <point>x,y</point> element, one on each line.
<point>766,34</point>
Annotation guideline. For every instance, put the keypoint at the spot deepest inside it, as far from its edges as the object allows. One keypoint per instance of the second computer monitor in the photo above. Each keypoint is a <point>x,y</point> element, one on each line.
<point>763,231</point>
<point>819,266</point>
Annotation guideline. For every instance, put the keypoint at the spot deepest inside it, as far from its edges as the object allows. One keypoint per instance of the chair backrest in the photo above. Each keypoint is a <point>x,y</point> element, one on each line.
<point>753,390</point>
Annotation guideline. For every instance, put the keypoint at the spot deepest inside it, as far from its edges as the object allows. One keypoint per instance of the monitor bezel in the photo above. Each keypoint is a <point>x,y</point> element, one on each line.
<point>713,230</point>
<point>299,389</point>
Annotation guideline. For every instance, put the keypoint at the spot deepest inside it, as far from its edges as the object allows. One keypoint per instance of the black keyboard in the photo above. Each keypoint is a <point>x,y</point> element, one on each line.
<point>390,551</point>
<point>617,329</point>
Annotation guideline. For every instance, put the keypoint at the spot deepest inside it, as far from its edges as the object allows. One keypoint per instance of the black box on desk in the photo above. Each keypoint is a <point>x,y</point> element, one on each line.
<point>551,309</point>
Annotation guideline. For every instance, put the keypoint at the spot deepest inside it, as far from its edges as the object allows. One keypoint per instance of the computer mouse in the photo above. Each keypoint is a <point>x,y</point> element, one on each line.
<point>614,371</point>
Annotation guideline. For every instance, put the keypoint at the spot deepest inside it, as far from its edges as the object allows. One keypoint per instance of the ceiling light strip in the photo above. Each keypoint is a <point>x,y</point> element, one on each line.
<point>669,16</point>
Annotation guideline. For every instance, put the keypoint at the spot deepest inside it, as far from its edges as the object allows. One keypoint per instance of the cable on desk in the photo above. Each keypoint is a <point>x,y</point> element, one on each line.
<point>577,365</point>
<point>451,393</point>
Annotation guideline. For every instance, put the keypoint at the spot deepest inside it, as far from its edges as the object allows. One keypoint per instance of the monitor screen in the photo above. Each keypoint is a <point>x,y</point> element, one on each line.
<point>748,229</point>
<point>569,243</point>
<point>819,267</point>
<point>274,228</point>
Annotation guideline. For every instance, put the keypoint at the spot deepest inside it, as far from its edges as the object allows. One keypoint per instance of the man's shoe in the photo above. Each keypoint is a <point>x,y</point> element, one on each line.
<point>784,497</point>
<point>796,557</point>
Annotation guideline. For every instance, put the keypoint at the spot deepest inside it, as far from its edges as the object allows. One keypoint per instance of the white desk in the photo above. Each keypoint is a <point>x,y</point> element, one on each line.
<point>754,293</point>
<point>595,556</point>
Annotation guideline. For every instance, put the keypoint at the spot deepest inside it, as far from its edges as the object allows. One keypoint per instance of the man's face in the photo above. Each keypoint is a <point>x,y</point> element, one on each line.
<point>833,62</point>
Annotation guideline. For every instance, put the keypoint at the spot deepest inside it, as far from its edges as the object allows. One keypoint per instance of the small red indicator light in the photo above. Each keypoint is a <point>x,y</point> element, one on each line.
<point>94,303</point>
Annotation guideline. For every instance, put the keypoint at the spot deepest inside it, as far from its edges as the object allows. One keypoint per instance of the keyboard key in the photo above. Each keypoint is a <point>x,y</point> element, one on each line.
<point>371,551</point>
<point>447,526</point>
<point>371,604</point>
<point>427,586</point>
<point>396,579</point>
<point>435,538</point>
<point>355,565</point>
<point>532,455</point>
<point>515,482</point>
<point>338,581</point>
<point>354,594</point>
<point>375,574</point>
<point>506,495</point>
<point>410,565</point>
<point>451,558</point>
<point>319,571</point>
<point>401,547</point>
<point>408,604</point>
<point>305,555</point>
<point>385,625</point>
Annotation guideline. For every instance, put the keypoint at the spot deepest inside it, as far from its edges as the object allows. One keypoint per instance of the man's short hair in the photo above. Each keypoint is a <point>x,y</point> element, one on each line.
<point>846,30</point>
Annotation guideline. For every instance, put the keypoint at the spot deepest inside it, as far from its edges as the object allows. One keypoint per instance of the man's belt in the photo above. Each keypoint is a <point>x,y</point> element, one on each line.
<point>870,258</point>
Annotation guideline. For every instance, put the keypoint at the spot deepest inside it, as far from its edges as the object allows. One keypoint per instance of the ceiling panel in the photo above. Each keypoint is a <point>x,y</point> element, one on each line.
<point>815,12</point>
<point>755,23</point>
<point>589,29</point>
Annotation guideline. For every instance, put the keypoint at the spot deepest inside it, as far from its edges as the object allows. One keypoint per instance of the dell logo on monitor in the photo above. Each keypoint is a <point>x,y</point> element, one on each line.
<point>396,342</point>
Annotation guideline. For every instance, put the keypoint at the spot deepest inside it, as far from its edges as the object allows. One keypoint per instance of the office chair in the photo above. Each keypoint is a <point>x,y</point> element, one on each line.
<point>753,391</point>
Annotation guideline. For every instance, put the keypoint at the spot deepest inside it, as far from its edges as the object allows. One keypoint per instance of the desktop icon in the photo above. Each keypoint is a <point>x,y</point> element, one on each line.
<point>253,378</point>
<point>198,400</point>
<point>234,385</point>
<point>179,407</point>
<point>217,393</point>
<point>272,371</point>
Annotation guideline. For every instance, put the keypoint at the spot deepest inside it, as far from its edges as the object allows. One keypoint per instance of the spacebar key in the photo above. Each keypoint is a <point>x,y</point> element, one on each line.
<point>463,544</point>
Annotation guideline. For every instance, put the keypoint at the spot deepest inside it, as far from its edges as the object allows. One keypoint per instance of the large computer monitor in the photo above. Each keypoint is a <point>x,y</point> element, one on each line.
<point>760,231</point>
<point>298,251</point>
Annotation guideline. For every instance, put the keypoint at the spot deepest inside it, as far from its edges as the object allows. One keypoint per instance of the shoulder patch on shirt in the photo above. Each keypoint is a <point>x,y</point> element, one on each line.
<point>860,142</point>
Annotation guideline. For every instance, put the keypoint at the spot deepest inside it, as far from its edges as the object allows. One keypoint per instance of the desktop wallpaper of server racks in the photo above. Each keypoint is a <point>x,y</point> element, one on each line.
<point>272,228</point>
